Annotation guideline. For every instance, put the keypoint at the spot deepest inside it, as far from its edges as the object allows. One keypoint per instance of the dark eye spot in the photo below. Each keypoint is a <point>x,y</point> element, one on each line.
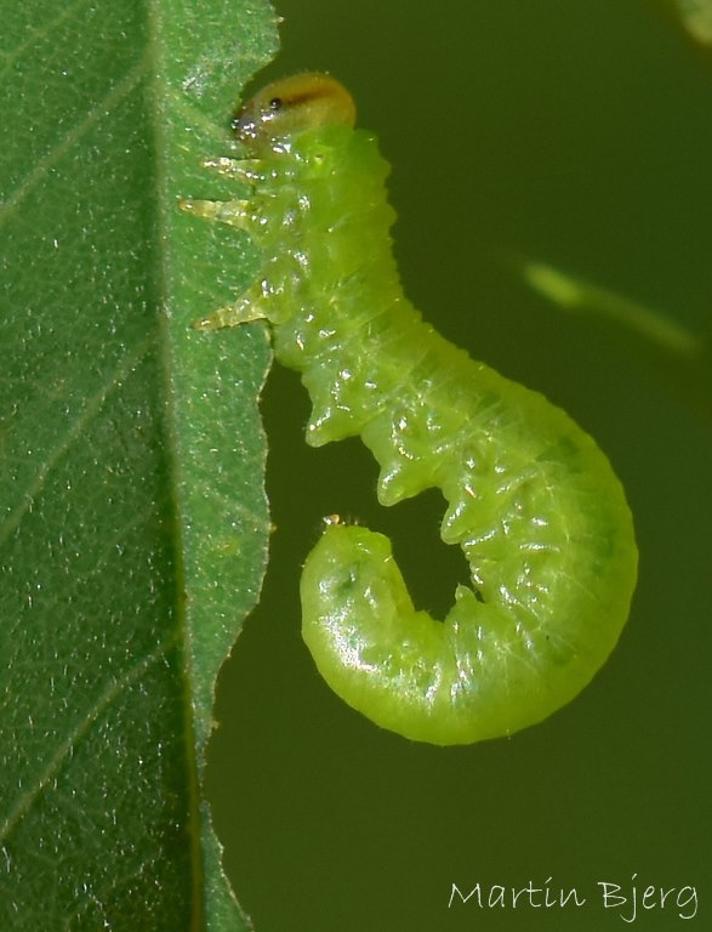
<point>276,103</point>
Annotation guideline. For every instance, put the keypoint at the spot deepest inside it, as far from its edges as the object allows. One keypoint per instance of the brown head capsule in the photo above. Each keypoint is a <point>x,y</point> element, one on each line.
<point>291,105</point>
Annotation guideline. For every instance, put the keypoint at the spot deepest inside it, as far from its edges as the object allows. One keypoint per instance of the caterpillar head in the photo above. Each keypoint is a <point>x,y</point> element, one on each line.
<point>290,106</point>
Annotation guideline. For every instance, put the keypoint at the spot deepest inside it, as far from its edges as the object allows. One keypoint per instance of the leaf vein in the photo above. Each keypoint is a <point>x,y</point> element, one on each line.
<point>101,109</point>
<point>87,414</point>
<point>65,749</point>
<point>37,33</point>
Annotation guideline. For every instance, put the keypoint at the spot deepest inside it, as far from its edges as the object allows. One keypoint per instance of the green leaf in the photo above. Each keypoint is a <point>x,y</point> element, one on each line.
<point>133,521</point>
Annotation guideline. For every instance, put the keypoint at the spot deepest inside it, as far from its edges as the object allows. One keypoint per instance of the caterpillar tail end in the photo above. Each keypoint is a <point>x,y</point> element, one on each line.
<point>380,655</point>
<point>477,675</point>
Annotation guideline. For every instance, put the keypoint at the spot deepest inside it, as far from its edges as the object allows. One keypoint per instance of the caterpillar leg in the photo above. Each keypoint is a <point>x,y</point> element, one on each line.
<point>250,171</point>
<point>251,305</point>
<point>240,213</point>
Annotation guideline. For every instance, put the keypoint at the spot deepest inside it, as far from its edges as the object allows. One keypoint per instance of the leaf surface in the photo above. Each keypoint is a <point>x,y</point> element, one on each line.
<point>133,521</point>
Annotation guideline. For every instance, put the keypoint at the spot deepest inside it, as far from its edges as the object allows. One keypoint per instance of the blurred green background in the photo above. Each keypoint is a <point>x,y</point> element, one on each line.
<point>578,133</point>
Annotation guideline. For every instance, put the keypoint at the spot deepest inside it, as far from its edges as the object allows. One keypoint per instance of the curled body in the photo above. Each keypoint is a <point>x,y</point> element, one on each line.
<point>530,498</point>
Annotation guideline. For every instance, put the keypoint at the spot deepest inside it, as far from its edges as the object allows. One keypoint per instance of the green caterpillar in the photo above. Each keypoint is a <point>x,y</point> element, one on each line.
<point>532,501</point>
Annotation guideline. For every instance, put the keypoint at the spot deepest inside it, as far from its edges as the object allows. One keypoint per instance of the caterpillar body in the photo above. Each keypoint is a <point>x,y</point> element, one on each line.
<point>532,501</point>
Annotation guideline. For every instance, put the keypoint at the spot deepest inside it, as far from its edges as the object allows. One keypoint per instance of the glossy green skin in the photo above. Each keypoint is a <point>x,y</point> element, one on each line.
<point>532,501</point>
